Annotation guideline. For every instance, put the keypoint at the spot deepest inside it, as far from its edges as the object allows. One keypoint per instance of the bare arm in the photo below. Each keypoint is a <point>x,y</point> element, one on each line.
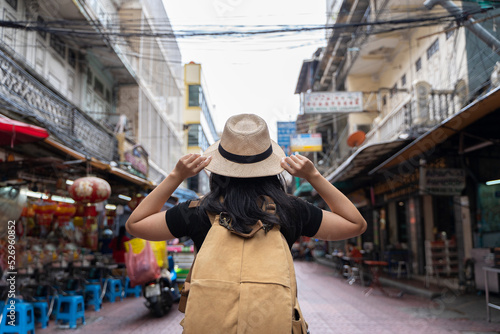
<point>146,221</point>
<point>344,221</point>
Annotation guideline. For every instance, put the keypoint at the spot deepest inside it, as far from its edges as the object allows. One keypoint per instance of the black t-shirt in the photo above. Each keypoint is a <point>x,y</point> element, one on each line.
<point>184,221</point>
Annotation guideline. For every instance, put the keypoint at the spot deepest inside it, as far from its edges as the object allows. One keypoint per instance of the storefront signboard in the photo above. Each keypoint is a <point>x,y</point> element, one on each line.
<point>306,142</point>
<point>442,181</point>
<point>285,131</point>
<point>333,102</point>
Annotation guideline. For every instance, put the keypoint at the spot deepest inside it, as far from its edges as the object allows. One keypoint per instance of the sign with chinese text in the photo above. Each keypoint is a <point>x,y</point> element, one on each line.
<point>285,130</point>
<point>442,181</point>
<point>333,102</point>
<point>306,142</point>
<point>138,159</point>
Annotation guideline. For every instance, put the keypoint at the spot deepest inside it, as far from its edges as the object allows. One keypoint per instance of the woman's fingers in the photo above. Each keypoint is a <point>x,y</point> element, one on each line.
<point>297,165</point>
<point>190,158</point>
<point>292,166</point>
<point>203,163</point>
<point>295,162</point>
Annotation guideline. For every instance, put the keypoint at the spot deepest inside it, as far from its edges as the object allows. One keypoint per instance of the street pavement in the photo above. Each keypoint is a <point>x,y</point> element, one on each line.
<point>329,304</point>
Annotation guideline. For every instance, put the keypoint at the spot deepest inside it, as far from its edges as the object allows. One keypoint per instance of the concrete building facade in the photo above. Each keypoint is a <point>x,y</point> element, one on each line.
<point>424,85</point>
<point>82,70</point>
<point>200,128</point>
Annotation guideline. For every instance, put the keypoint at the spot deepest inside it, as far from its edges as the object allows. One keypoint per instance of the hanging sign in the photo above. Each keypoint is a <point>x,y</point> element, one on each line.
<point>306,142</point>
<point>333,102</point>
<point>285,131</point>
<point>442,181</point>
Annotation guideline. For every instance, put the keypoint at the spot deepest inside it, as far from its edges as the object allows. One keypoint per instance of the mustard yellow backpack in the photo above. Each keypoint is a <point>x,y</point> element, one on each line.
<point>242,283</point>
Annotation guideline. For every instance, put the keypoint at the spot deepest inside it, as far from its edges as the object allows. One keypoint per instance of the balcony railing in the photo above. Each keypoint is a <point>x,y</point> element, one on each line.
<point>391,126</point>
<point>413,117</point>
<point>23,94</point>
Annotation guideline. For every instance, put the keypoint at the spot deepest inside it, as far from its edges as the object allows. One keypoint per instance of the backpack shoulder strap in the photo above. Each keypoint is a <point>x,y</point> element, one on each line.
<point>194,204</point>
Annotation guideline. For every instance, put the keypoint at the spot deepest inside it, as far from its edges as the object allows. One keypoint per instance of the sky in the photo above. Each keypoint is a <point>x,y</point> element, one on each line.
<point>249,74</point>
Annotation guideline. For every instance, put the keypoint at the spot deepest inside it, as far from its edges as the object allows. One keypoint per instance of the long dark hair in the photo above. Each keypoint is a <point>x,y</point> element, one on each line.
<point>239,198</point>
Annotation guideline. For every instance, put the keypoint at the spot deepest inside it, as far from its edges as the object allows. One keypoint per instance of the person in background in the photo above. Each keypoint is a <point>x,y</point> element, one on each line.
<point>353,251</point>
<point>105,240</point>
<point>117,244</point>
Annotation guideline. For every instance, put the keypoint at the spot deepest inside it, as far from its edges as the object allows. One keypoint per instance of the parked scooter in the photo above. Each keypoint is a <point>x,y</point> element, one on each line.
<point>159,294</point>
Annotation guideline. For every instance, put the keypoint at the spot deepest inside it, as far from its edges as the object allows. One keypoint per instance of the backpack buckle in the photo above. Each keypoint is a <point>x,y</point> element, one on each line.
<point>267,227</point>
<point>225,220</point>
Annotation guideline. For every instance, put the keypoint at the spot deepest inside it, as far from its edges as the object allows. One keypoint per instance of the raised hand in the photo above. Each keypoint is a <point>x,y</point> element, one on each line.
<point>190,165</point>
<point>300,166</point>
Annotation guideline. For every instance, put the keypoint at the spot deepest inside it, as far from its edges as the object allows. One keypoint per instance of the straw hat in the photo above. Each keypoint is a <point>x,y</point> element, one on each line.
<point>245,149</point>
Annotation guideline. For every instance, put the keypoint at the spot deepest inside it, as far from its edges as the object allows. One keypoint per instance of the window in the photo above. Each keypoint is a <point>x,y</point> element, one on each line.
<point>194,95</point>
<point>12,3</point>
<point>98,86</point>
<point>384,100</point>
<point>193,134</point>
<point>433,49</point>
<point>403,80</point>
<point>39,56</point>
<point>72,58</point>
<point>41,23</point>
<point>9,34</point>
<point>89,77</point>
<point>58,45</point>
<point>196,137</point>
<point>418,64</point>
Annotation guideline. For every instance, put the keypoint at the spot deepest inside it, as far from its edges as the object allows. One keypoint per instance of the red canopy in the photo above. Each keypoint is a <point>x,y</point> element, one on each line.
<point>14,132</point>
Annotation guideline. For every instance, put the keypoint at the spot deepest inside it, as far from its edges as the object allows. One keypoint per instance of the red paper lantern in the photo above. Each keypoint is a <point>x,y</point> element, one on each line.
<point>90,190</point>
<point>65,210</point>
<point>45,207</point>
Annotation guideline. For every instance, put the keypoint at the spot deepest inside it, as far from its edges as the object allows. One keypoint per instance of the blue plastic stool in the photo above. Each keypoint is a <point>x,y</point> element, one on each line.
<point>114,289</point>
<point>70,308</point>
<point>93,296</point>
<point>41,309</point>
<point>24,318</point>
<point>136,290</point>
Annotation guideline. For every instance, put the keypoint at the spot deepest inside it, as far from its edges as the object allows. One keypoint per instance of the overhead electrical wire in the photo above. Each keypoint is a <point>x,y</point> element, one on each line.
<point>52,28</point>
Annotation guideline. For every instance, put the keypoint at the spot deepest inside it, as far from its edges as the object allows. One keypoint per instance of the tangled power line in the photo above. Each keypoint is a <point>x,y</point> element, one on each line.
<point>130,30</point>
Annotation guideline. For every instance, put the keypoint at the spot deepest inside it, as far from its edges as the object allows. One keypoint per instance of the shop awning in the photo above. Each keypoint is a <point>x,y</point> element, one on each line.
<point>14,132</point>
<point>441,132</point>
<point>363,158</point>
<point>101,165</point>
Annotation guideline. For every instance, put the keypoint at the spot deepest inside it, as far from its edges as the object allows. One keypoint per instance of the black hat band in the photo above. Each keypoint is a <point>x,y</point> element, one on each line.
<point>246,159</point>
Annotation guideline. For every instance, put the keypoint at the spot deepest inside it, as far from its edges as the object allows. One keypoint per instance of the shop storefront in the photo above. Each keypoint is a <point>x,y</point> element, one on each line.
<point>457,164</point>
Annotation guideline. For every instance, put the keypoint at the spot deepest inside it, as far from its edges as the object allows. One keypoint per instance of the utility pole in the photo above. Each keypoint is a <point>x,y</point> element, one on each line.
<point>470,23</point>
